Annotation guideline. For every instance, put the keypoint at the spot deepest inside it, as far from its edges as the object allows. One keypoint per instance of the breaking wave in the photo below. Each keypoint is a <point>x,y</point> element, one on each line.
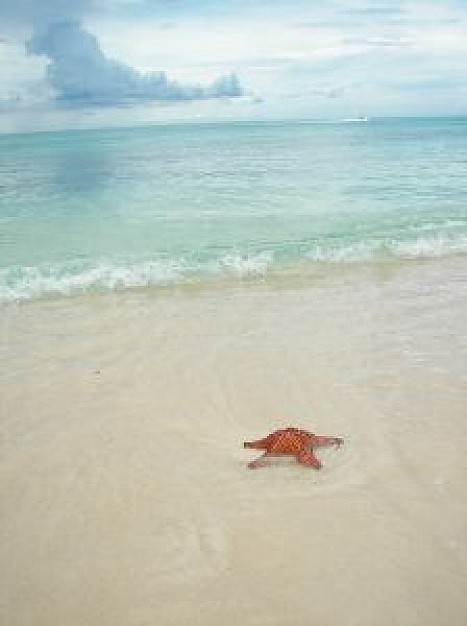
<point>427,247</point>
<point>29,283</point>
<point>25,283</point>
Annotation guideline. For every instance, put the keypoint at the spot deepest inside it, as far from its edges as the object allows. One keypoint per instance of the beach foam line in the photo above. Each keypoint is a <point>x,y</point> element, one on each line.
<point>30,283</point>
<point>244,266</point>
<point>26,283</point>
<point>428,247</point>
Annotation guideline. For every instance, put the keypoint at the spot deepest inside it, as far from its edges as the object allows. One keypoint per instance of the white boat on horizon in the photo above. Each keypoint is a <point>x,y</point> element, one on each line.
<point>356,119</point>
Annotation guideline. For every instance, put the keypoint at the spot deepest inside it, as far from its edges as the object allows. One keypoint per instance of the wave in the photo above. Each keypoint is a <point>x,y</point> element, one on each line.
<point>418,248</point>
<point>25,283</point>
<point>243,266</point>
<point>30,283</point>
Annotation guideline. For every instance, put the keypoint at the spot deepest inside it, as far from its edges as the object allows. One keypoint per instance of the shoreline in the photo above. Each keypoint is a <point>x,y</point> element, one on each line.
<point>299,275</point>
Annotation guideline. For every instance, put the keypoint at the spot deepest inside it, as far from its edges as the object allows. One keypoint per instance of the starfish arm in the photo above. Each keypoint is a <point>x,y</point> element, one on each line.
<point>322,441</point>
<point>260,444</point>
<point>259,462</point>
<point>308,458</point>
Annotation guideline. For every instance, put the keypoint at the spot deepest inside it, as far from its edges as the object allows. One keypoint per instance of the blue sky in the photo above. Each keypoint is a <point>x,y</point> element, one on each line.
<point>81,63</point>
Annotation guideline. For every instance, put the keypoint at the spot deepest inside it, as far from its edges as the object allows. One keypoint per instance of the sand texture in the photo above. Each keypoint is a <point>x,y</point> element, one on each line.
<point>125,495</point>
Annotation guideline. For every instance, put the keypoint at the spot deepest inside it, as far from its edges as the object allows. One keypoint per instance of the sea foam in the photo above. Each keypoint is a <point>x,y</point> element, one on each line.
<point>432,246</point>
<point>243,266</point>
<point>25,283</point>
<point>30,283</point>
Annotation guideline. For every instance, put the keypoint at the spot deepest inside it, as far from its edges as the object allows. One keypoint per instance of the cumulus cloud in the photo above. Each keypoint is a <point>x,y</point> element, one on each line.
<point>81,74</point>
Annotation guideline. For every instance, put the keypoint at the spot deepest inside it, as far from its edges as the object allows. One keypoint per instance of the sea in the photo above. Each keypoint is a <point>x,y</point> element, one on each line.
<point>118,209</point>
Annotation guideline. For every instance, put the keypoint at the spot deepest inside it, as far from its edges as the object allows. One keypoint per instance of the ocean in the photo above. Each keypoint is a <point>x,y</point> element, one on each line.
<point>168,205</point>
<point>170,292</point>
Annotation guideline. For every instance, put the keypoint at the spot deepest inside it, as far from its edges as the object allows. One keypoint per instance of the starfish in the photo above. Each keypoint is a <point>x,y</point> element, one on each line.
<point>292,441</point>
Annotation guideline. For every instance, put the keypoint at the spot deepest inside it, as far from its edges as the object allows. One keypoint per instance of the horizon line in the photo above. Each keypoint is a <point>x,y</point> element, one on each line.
<point>236,121</point>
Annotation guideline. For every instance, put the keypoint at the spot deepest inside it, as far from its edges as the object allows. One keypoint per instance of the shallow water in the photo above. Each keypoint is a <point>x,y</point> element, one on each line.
<point>116,209</point>
<point>126,498</point>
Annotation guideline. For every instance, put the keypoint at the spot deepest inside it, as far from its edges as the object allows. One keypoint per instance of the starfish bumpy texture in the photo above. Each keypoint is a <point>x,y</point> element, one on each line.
<point>293,442</point>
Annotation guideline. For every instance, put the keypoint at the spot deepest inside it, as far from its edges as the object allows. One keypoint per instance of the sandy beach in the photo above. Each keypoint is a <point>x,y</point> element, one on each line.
<point>126,500</point>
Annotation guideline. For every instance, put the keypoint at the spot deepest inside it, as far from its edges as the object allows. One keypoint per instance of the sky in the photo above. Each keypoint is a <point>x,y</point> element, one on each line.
<point>92,63</point>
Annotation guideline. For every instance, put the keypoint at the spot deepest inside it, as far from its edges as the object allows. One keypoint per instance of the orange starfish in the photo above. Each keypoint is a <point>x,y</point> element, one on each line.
<point>291,441</point>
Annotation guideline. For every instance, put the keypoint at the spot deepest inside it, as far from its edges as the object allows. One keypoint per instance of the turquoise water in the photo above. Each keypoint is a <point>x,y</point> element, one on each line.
<point>123,208</point>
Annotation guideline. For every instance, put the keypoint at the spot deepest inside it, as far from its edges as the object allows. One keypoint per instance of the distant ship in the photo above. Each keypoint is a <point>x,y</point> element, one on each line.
<point>356,119</point>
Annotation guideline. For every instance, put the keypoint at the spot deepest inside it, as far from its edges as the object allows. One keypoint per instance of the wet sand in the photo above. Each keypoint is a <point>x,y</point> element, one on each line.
<point>125,495</point>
